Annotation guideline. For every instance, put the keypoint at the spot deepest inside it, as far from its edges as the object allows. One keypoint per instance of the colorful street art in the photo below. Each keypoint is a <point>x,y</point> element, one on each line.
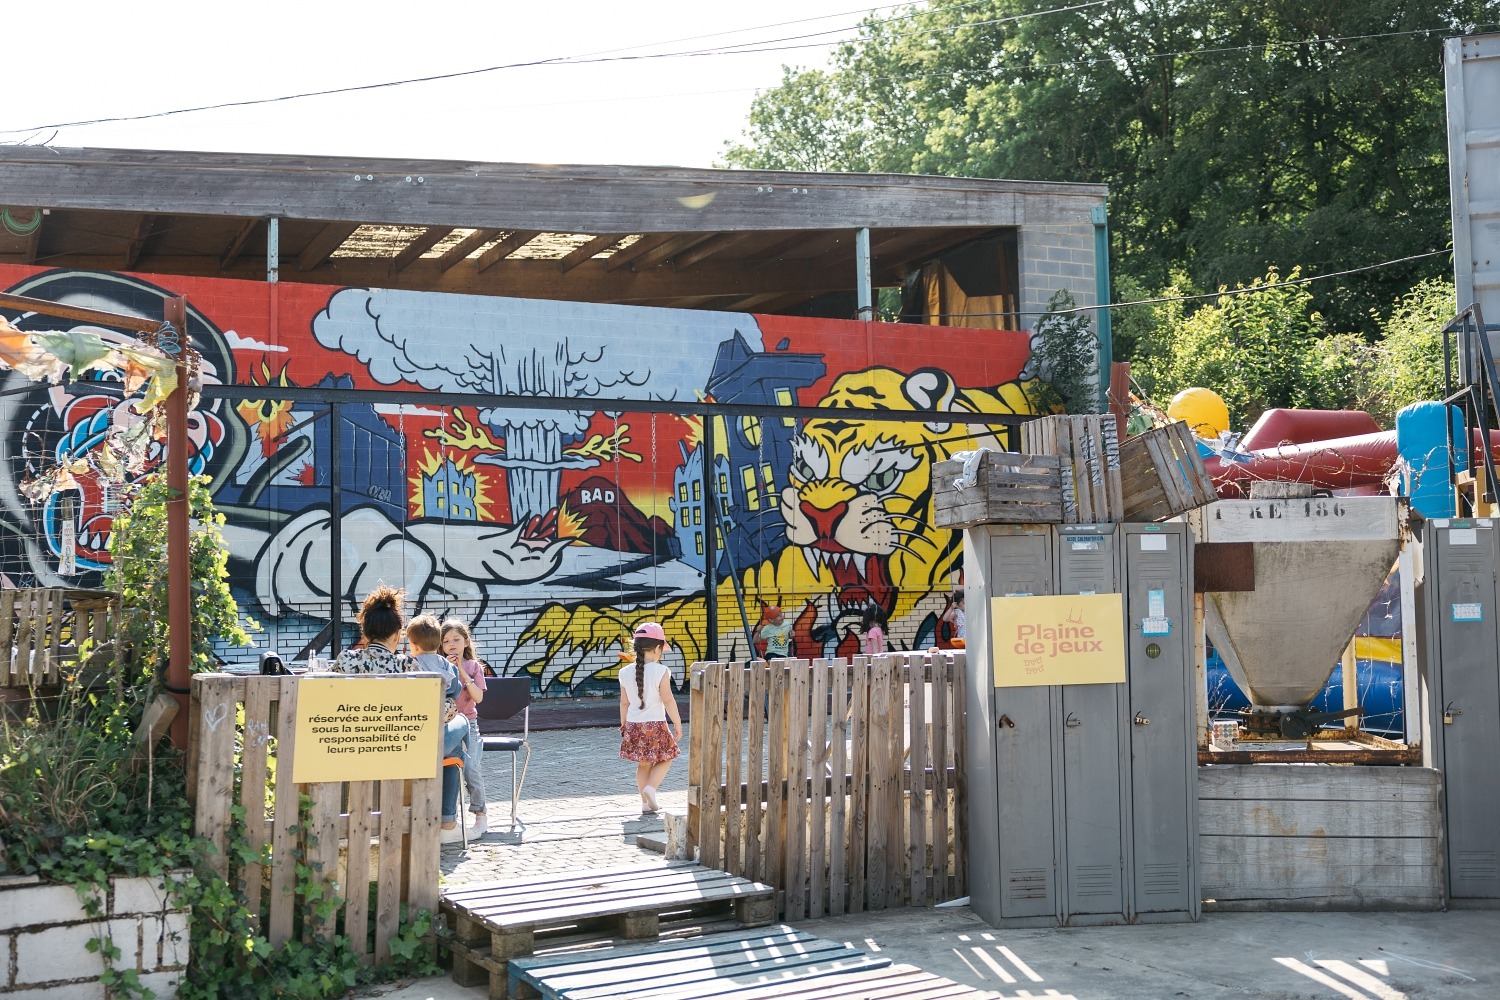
<point>552,527</point>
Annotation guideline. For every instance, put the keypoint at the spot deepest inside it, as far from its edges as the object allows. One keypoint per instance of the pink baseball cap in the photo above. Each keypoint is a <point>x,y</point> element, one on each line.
<point>650,630</point>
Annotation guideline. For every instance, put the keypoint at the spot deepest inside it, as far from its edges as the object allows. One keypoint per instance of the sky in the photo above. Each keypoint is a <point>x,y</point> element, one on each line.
<point>92,59</point>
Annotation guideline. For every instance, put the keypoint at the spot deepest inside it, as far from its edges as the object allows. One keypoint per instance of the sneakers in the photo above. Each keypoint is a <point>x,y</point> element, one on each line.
<point>481,825</point>
<point>453,836</point>
<point>649,794</point>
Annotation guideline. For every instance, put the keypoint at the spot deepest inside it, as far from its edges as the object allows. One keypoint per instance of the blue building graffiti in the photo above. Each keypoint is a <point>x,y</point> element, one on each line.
<point>450,492</point>
<point>690,516</point>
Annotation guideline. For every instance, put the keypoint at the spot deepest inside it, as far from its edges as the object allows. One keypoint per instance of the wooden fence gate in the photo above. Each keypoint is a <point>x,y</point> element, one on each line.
<point>241,737</point>
<point>840,782</point>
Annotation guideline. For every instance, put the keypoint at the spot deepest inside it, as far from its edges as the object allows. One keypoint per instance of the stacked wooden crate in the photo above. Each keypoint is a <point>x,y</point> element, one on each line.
<point>1089,449</point>
<point>1162,474</point>
<point>1006,488</point>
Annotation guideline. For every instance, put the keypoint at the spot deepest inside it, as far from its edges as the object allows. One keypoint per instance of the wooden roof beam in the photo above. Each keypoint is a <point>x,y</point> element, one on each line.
<point>143,227</point>
<point>237,245</point>
<point>671,248</point>
<point>707,248</point>
<point>420,244</point>
<point>505,248</point>
<point>641,246</point>
<point>464,247</point>
<point>597,245</point>
<point>34,241</point>
<point>322,246</point>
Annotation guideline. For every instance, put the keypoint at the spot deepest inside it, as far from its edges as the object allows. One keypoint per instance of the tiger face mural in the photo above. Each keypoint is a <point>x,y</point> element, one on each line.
<point>858,508</point>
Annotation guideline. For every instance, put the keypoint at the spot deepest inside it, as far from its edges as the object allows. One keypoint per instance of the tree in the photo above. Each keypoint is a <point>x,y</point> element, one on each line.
<point>1065,352</point>
<point>1234,137</point>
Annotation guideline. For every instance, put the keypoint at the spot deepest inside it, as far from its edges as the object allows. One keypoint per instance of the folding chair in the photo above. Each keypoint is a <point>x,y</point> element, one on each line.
<point>504,697</point>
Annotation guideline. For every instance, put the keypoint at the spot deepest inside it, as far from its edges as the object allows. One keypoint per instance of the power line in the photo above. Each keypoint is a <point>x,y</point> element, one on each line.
<point>767,45</point>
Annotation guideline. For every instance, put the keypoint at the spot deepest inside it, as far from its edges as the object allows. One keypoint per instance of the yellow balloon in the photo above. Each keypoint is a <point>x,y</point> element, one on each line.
<point>1202,410</point>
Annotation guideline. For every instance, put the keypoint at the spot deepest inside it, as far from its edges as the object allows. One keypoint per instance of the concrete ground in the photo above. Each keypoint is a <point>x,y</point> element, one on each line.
<point>580,810</point>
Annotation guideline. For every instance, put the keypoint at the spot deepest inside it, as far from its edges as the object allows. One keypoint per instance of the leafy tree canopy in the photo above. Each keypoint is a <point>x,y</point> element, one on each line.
<point>1235,137</point>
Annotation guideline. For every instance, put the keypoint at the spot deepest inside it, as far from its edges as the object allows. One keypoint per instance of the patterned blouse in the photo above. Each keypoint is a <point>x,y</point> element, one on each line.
<point>372,659</point>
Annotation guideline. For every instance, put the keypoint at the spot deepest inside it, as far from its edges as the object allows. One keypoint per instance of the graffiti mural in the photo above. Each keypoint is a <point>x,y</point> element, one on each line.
<point>552,525</point>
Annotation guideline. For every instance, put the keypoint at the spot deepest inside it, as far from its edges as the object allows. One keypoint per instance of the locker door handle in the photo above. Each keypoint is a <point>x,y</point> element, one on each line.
<point>1072,721</point>
<point>1141,720</point>
<point>1005,721</point>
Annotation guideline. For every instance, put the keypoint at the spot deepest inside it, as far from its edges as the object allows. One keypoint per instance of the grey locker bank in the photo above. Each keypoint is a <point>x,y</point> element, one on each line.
<point>1460,625</point>
<point>1083,798</point>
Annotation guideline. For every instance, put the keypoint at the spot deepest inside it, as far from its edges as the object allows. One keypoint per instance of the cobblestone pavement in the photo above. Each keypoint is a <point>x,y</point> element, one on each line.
<point>579,808</point>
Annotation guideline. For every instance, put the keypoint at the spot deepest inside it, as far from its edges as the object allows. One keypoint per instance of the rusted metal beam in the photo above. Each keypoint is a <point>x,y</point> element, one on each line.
<point>505,248</point>
<point>322,246</point>
<point>96,316</point>
<point>597,245</point>
<point>461,250</point>
<point>424,241</point>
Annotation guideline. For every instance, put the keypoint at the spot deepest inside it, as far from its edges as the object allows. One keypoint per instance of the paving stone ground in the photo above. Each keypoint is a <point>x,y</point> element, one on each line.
<point>579,810</point>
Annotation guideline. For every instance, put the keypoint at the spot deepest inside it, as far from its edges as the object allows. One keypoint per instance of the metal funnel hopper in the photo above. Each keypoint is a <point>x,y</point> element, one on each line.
<point>1318,565</point>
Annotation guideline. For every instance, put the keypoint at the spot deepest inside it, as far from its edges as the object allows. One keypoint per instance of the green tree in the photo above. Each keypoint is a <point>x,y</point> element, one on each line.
<point>1233,136</point>
<point>1065,351</point>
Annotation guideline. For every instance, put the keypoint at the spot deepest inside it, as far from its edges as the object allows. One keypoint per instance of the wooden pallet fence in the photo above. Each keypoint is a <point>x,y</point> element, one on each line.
<point>242,733</point>
<point>46,628</point>
<point>1089,447</point>
<point>1007,489</point>
<point>837,781</point>
<point>1162,474</point>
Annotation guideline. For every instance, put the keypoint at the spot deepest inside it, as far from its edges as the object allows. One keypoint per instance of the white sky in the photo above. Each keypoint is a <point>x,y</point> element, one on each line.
<point>93,59</point>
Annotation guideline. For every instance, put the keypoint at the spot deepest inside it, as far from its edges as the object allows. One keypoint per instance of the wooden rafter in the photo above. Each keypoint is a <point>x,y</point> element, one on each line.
<point>706,249</point>
<point>143,227</point>
<point>640,246</point>
<point>34,241</point>
<point>322,246</point>
<point>512,242</point>
<point>423,242</point>
<point>597,245</point>
<point>670,249</point>
<point>237,245</point>
<point>466,246</point>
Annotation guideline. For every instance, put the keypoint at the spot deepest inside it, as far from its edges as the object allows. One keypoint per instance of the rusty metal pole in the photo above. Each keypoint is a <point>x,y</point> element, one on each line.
<point>179,575</point>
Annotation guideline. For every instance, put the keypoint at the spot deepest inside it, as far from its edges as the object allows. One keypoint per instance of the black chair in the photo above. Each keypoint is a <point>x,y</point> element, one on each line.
<point>504,697</point>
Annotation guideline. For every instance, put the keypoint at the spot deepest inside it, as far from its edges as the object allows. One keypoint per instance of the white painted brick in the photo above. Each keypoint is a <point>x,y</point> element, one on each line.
<point>172,930</point>
<point>47,903</point>
<point>73,991</point>
<point>138,895</point>
<point>163,984</point>
<point>60,952</point>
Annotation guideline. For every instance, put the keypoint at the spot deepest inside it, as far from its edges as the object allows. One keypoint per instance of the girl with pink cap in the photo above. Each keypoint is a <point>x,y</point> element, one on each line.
<point>646,703</point>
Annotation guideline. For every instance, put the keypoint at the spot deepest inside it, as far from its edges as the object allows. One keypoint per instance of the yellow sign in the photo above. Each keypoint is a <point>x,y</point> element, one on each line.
<point>367,728</point>
<point>1058,640</point>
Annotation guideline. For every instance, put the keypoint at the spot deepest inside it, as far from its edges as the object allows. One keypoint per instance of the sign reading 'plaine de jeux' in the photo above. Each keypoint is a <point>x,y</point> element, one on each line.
<point>1076,639</point>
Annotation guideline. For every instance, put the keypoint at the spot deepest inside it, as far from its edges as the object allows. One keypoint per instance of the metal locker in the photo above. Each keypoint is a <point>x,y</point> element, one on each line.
<point>1464,666</point>
<point>1094,802</point>
<point>1012,805</point>
<point>1163,766</point>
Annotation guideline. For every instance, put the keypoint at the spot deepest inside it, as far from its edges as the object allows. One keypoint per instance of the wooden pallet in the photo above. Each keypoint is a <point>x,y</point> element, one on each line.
<point>1089,447</point>
<point>777,963</point>
<point>493,923</point>
<point>1008,489</point>
<point>1162,474</point>
<point>45,629</point>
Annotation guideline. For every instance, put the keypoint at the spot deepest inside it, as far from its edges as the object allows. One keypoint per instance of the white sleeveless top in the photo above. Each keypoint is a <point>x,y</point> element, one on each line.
<point>654,709</point>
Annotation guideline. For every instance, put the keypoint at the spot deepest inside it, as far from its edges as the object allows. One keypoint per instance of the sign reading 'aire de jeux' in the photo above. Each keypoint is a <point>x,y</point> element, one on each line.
<point>1077,639</point>
<point>367,728</point>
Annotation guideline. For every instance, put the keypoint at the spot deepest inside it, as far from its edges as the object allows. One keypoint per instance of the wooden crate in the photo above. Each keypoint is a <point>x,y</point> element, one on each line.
<point>1162,474</point>
<point>1008,489</point>
<point>1089,447</point>
<point>47,628</point>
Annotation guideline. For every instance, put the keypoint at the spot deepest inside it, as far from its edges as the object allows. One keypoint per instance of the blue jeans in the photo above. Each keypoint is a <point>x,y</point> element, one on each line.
<point>455,736</point>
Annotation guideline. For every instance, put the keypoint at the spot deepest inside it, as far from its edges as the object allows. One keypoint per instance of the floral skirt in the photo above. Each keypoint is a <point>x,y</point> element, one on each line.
<point>648,743</point>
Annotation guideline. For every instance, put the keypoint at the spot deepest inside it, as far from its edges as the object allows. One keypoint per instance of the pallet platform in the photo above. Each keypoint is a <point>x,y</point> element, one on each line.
<point>492,923</point>
<point>776,963</point>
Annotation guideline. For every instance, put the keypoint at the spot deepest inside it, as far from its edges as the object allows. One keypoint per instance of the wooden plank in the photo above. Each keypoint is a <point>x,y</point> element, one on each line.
<point>1111,436</point>
<point>363,825</point>
<point>696,735</point>
<point>1278,782</point>
<point>1307,818</point>
<point>942,671</point>
<point>1166,469</point>
<point>615,902</point>
<point>859,826</point>
<point>957,740</point>
<point>895,803</point>
<point>838,831</point>
<point>322,245</point>
<point>253,785</point>
<point>424,848</point>
<point>776,774</point>
<point>413,251</point>
<point>795,880</point>
<point>25,628</point>
<point>508,906</point>
<point>734,750</point>
<point>877,830</point>
<point>393,845</point>
<point>758,678</point>
<point>712,722</point>
<point>286,818</point>
<point>817,853</point>
<point>895,982</point>
<point>457,897</point>
<point>597,245</point>
<point>459,252</point>
<point>218,703</point>
<point>513,241</point>
<point>237,245</point>
<point>647,242</point>
<point>7,636</point>
<point>916,806</point>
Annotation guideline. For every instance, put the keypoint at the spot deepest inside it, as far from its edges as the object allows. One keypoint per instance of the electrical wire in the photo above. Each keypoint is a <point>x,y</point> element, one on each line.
<point>767,45</point>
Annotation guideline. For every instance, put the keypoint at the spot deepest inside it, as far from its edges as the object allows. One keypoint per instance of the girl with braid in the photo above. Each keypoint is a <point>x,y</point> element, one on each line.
<point>646,703</point>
